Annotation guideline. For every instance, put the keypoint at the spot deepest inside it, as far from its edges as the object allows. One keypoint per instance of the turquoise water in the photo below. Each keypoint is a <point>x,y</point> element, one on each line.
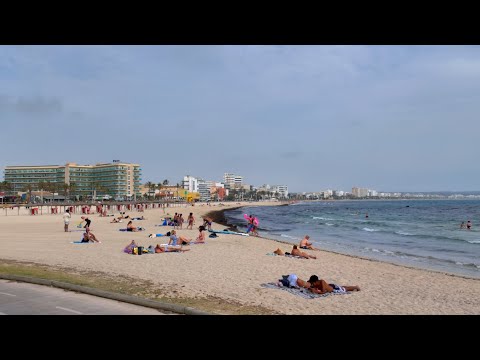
<point>419,233</point>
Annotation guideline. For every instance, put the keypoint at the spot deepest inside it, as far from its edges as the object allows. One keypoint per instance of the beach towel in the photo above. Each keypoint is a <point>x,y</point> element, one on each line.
<point>81,242</point>
<point>304,293</point>
<point>227,232</point>
<point>138,228</point>
<point>289,256</point>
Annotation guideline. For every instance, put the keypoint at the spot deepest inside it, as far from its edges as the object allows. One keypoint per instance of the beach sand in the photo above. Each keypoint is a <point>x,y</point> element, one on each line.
<point>231,268</point>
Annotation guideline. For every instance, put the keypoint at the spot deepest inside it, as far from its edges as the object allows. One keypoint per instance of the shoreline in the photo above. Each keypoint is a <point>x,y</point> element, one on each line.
<point>218,216</point>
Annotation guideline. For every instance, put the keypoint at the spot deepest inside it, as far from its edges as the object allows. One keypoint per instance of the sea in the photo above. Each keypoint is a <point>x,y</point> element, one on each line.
<point>418,233</point>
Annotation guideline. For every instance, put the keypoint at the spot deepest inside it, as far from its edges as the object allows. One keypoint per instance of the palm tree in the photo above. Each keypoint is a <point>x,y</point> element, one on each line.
<point>73,188</point>
<point>28,188</point>
<point>96,186</point>
<point>5,186</point>
<point>151,187</point>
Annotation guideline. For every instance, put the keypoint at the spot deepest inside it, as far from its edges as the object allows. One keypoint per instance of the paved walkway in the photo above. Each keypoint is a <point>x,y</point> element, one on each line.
<point>17,298</point>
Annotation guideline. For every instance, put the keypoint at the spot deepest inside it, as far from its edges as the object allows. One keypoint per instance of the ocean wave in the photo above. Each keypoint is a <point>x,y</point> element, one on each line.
<point>368,229</point>
<point>321,218</point>
<point>400,232</point>
<point>329,224</point>
<point>474,241</point>
<point>289,237</point>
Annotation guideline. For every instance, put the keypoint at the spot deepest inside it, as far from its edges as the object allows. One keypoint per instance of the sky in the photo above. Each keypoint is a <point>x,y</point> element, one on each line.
<point>388,118</point>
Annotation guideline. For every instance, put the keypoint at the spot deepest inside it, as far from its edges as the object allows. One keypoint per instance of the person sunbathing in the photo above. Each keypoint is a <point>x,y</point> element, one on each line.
<point>89,236</point>
<point>180,240</point>
<point>168,248</point>
<point>297,252</point>
<point>320,286</point>
<point>201,235</point>
<point>116,221</point>
<point>130,227</point>
<point>279,252</point>
<point>294,281</point>
<point>305,244</point>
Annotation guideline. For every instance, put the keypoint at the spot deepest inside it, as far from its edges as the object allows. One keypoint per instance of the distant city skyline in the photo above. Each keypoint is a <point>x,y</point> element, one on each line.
<point>389,118</point>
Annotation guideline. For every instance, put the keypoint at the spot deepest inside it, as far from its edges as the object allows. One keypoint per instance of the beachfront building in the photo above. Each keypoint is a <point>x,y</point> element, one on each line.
<point>232,181</point>
<point>190,183</point>
<point>359,192</point>
<point>117,179</point>
<point>204,189</point>
<point>281,190</point>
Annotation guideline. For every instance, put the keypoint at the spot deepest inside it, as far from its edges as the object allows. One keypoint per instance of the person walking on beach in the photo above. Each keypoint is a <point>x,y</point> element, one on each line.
<point>66,219</point>
<point>191,221</point>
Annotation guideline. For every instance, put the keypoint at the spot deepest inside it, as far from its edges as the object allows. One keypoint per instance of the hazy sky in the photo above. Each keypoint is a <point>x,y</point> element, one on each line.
<point>390,118</point>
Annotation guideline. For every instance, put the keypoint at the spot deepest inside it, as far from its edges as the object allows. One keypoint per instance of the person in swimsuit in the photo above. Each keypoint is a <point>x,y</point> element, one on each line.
<point>469,225</point>
<point>130,226</point>
<point>320,286</point>
<point>167,248</point>
<point>201,235</point>
<point>178,240</point>
<point>305,244</point>
<point>191,221</point>
<point>297,252</point>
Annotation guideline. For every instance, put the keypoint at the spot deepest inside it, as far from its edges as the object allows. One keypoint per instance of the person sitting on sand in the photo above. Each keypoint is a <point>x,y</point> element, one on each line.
<point>167,248</point>
<point>130,226</point>
<point>90,236</point>
<point>201,235</point>
<point>305,244</point>
<point>320,286</point>
<point>178,240</point>
<point>297,252</point>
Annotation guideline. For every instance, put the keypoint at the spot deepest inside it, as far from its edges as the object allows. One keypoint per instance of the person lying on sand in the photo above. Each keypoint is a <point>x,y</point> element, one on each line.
<point>297,252</point>
<point>168,248</point>
<point>116,221</point>
<point>320,286</point>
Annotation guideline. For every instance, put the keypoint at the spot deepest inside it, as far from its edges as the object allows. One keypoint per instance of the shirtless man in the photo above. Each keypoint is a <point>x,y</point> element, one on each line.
<point>319,286</point>
<point>305,244</point>
<point>297,252</point>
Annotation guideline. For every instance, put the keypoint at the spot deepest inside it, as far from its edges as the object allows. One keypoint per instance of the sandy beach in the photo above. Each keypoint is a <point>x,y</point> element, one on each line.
<point>231,268</point>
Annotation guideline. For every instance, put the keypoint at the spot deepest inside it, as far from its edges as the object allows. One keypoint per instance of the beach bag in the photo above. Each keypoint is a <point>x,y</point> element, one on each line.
<point>129,248</point>
<point>284,281</point>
